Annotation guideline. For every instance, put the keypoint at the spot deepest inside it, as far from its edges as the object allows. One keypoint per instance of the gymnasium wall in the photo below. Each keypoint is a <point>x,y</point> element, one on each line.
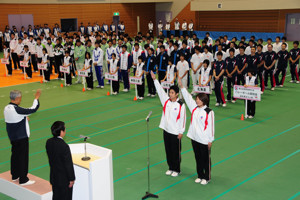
<point>52,13</point>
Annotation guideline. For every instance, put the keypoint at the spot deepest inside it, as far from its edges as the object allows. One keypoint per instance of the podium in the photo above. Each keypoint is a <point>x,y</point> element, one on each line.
<point>94,178</point>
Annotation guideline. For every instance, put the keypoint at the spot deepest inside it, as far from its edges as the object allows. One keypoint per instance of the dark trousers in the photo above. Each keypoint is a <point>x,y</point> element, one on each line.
<point>34,62</point>
<point>219,92</point>
<point>47,73</point>
<point>269,73</point>
<point>116,86</point>
<point>58,63</point>
<point>89,80</point>
<point>184,33</point>
<point>9,68</point>
<point>125,77</point>
<point>62,192</point>
<point>251,107</point>
<point>230,83</point>
<point>168,34</point>
<point>150,83</point>
<point>203,162</point>
<point>28,70</point>
<point>173,151</point>
<point>177,33</point>
<point>161,75</point>
<point>294,73</point>
<point>261,80</point>
<point>240,79</point>
<point>283,73</point>
<point>19,160</point>
<point>69,78</point>
<point>15,59</point>
<point>51,65</point>
<point>141,89</point>
<point>99,75</point>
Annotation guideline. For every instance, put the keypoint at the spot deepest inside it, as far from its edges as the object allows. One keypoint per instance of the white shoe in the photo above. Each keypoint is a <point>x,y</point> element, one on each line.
<point>272,89</point>
<point>174,174</point>
<point>148,95</point>
<point>250,117</point>
<point>28,78</point>
<point>77,82</point>
<point>204,182</point>
<point>297,81</point>
<point>45,81</point>
<point>224,105</point>
<point>246,116</point>
<point>261,92</point>
<point>280,85</point>
<point>169,172</point>
<point>62,79</point>
<point>29,182</point>
<point>153,95</point>
<point>217,104</point>
<point>292,81</point>
<point>98,86</point>
<point>141,98</point>
<point>89,88</point>
<point>198,180</point>
<point>115,93</point>
<point>125,90</point>
<point>101,87</point>
<point>233,101</point>
<point>107,83</point>
<point>15,180</point>
<point>73,76</point>
<point>68,85</point>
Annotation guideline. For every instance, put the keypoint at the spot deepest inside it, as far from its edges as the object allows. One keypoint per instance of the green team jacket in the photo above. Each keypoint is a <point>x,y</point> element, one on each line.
<point>79,52</point>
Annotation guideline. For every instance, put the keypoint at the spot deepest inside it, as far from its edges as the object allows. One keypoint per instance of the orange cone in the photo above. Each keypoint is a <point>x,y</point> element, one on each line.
<point>23,78</point>
<point>135,99</point>
<point>242,117</point>
<point>108,94</point>
<point>41,81</point>
<point>83,89</point>
<point>61,85</point>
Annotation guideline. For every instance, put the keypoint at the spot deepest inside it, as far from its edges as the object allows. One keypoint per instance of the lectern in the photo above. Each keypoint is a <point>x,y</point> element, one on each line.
<point>94,178</point>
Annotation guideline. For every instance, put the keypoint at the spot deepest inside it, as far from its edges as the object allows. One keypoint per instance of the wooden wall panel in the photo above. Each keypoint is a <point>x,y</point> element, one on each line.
<point>52,13</point>
<point>186,14</point>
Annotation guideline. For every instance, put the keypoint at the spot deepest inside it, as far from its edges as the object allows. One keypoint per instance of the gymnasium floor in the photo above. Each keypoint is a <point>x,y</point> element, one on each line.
<point>252,159</point>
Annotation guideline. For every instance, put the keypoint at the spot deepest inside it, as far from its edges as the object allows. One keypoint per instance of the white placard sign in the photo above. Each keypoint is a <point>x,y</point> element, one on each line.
<point>64,69</point>
<point>112,77</point>
<point>24,63</point>
<point>4,61</point>
<point>83,73</point>
<point>202,89</point>
<point>166,84</point>
<point>135,80</point>
<point>42,66</point>
<point>247,93</point>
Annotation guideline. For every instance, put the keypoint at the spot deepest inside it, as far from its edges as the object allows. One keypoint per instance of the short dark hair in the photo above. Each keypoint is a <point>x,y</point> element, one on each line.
<point>203,97</point>
<point>206,62</point>
<point>57,127</point>
<point>175,88</point>
<point>296,42</point>
<point>219,54</point>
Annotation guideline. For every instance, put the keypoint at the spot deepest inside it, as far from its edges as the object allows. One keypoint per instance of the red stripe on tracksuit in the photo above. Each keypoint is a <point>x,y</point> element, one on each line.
<point>164,109</point>
<point>193,114</point>
<point>263,82</point>
<point>283,78</point>
<point>222,94</point>
<point>206,122</point>
<point>273,78</point>
<point>297,75</point>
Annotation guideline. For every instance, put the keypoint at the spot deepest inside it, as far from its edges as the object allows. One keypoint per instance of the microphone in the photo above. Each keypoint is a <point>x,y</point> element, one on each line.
<point>147,118</point>
<point>85,137</point>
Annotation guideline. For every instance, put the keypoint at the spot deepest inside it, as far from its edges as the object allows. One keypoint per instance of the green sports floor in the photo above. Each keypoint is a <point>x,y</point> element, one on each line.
<point>253,159</point>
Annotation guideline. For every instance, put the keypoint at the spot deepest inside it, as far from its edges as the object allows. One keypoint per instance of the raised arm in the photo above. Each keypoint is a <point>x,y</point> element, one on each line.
<point>190,102</point>
<point>163,96</point>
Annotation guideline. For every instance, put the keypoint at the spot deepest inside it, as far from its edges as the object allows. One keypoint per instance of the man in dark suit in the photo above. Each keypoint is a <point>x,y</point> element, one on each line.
<point>62,176</point>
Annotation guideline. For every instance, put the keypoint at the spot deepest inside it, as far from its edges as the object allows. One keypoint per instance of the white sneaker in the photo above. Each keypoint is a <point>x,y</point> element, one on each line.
<point>101,87</point>
<point>297,81</point>
<point>217,104</point>
<point>28,78</point>
<point>169,172</point>
<point>73,76</point>
<point>29,182</point>
<point>280,85</point>
<point>203,182</point>
<point>98,86</point>
<point>125,90</point>
<point>148,95</point>
<point>261,92</point>
<point>250,117</point>
<point>198,180</point>
<point>15,180</point>
<point>272,89</point>
<point>174,174</point>
<point>62,79</point>
<point>89,88</point>
<point>141,98</point>
<point>153,95</point>
<point>107,83</point>
<point>233,101</point>
<point>68,84</point>
<point>224,105</point>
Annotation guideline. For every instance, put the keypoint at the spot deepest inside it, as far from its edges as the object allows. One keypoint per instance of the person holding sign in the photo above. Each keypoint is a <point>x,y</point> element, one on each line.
<point>7,56</point>
<point>113,69</point>
<point>88,67</point>
<point>68,63</point>
<point>98,64</point>
<point>46,61</point>
<point>205,77</point>
<point>125,64</point>
<point>219,69</point>
<point>201,131</point>
<point>173,124</point>
<point>171,72</point>
<point>251,81</point>
<point>139,73</point>
<point>26,58</point>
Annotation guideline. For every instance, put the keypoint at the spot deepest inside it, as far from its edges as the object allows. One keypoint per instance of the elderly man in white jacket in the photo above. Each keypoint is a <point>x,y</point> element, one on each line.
<point>201,132</point>
<point>173,123</point>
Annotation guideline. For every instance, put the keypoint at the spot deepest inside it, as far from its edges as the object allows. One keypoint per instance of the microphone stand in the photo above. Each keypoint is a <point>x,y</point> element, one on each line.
<point>148,194</point>
<point>85,158</point>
